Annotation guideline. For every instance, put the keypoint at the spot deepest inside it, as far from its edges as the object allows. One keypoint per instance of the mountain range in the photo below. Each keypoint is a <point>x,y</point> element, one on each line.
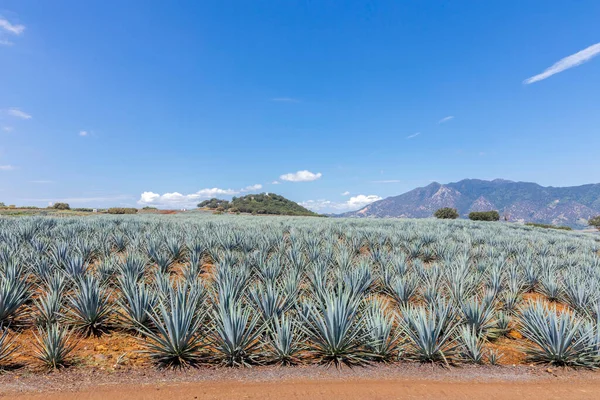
<point>516,201</point>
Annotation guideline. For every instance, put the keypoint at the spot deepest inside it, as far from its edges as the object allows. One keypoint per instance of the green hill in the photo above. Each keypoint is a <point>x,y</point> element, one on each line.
<point>264,203</point>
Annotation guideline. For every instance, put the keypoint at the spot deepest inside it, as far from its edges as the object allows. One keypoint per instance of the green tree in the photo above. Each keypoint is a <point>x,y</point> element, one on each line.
<point>61,206</point>
<point>484,216</point>
<point>595,222</point>
<point>446,213</point>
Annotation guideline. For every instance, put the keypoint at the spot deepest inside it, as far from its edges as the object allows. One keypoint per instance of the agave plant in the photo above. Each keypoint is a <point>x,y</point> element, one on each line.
<point>176,340</point>
<point>90,307</point>
<point>52,346</point>
<point>380,326</point>
<point>137,302</point>
<point>235,334</point>
<point>335,330</point>
<point>557,337</point>
<point>48,307</point>
<point>14,292</point>
<point>7,345</point>
<point>471,345</point>
<point>430,332</point>
<point>284,341</point>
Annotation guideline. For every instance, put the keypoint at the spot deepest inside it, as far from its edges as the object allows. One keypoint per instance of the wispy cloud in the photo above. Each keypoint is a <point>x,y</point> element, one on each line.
<point>7,128</point>
<point>4,42</point>
<point>179,200</point>
<point>285,100</point>
<point>15,112</point>
<point>446,119</point>
<point>252,188</point>
<point>353,203</point>
<point>571,61</point>
<point>414,135</point>
<point>15,29</point>
<point>83,133</point>
<point>99,199</point>
<point>42,182</point>
<point>7,167</point>
<point>346,193</point>
<point>388,181</point>
<point>300,176</point>
<point>275,183</point>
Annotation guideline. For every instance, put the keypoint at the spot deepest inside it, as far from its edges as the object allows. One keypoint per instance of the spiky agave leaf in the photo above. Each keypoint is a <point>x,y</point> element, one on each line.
<point>136,302</point>
<point>430,332</point>
<point>557,338</point>
<point>284,340</point>
<point>90,307</point>
<point>176,341</point>
<point>235,334</point>
<point>471,344</point>
<point>380,326</point>
<point>52,346</point>
<point>47,307</point>
<point>336,330</point>
<point>7,345</point>
<point>14,292</point>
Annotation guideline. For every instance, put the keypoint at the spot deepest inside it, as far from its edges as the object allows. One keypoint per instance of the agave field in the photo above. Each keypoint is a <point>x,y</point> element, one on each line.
<point>239,291</point>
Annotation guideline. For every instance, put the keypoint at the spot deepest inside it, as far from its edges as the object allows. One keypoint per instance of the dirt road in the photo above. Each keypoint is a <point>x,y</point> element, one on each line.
<point>307,384</point>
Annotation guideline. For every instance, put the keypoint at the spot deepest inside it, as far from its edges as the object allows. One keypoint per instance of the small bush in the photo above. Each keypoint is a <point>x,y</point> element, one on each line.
<point>83,209</point>
<point>484,216</point>
<point>122,210</point>
<point>548,226</point>
<point>595,222</point>
<point>61,206</point>
<point>446,213</point>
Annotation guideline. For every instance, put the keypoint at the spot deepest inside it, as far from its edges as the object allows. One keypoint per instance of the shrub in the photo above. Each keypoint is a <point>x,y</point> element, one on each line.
<point>122,210</point>
<point>484,216</point>
<point>81,209</point>
<point>61,206</point>
<point>446,213</point>
<point>548,226</point>
<point>595,222</point>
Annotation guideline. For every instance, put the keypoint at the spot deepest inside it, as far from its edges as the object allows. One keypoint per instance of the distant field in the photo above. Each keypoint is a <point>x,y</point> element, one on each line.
<point>146,291</point>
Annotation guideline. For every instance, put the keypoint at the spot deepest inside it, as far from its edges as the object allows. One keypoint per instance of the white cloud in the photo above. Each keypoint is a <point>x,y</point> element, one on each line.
<point>85,199</point>
<point>275,183</point>
<point>178,200</point>
<point>346,193</point>
<point>354,203</point>
<point>7,128</point>
<point>15,112</point>
<point>4,42</point>
<point>301,176</point>
<point>83,133</point>
<point>11,28</point>
<point>6,167</point>
<point>42,182</point>
<point>446,119</point>
<point>413,135</point>
<point>571,61</point>
<point>252,188</point>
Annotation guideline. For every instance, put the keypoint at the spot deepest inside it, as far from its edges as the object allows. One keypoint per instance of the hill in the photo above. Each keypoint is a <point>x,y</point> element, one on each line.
<point>264,203</point>
<point>516,201</point>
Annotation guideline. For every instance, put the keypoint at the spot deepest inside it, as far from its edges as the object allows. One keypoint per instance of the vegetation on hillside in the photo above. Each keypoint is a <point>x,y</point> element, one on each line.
<point>60,206</point>
<point>484,216</point>
<point>548,226</point>
<point>264,203</point>
<point>446,213</point>
<point>595,222</point>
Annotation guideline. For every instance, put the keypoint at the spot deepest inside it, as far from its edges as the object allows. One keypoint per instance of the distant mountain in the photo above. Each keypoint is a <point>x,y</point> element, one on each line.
<point>517,201</point>
<point>264,203</point>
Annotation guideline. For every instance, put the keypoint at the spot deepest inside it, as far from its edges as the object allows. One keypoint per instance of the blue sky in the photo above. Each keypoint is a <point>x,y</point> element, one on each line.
<point>331,104</point>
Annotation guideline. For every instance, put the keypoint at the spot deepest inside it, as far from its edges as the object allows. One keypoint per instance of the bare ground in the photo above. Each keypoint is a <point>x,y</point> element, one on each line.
<point>402,381</point>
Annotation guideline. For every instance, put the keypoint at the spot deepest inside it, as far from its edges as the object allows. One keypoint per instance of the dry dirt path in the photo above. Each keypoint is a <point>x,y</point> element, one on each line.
<point>405,382</point>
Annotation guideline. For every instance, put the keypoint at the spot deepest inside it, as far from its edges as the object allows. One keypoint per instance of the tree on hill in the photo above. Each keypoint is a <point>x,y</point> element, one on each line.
<point>446,213</point>
<point>263,203</point>
<point>595,222</point>
<point>484,216</point>
<point>61,206</point>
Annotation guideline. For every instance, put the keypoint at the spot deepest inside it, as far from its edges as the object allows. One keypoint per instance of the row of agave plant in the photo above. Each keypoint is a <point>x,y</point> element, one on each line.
<point>239,291</point>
